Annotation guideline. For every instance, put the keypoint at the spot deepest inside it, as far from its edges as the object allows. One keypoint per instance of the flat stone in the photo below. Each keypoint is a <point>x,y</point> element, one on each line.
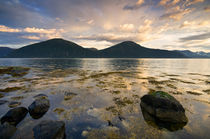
<point>14,104</point>
<point>14,116</point>
<point>3,102</point>
<point>49,130</point>
<point>69,95</point>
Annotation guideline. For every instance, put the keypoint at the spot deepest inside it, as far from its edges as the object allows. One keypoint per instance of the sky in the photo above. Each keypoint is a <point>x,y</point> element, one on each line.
<point>160,24</point>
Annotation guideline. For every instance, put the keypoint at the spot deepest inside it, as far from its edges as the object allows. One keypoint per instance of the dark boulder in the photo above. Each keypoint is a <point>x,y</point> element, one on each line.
<point>14,116</point>
<point>49,130</point>
<point>164,107</point>
<point>38,108</point>
<point>7,131</point>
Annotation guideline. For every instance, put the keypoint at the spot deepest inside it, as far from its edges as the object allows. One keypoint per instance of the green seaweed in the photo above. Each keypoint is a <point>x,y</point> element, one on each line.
<point>194,93</point>
<point>11,89</point>
<point>162,94</point>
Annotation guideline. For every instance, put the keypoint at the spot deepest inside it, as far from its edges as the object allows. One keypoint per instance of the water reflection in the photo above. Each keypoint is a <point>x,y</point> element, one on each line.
<point>155,122</point>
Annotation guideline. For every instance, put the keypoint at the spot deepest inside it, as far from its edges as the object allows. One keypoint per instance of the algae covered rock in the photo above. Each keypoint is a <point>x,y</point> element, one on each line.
<point>14,71</point>
<point>163,107</point>
<point>49,130</point>
<point>14,116</point>
<point>39,107</point>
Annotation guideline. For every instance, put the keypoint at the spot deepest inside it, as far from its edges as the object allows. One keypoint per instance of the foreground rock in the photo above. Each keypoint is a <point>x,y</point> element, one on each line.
<point>38,108</point>
<point>49,130</point>
<point>163,108</point>
<point>7,131</point>
<point>14,71</point>
<point>14,116</point>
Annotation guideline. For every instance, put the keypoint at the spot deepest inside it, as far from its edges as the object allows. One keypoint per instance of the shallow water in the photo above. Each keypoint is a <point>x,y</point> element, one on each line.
<point>108,93</point>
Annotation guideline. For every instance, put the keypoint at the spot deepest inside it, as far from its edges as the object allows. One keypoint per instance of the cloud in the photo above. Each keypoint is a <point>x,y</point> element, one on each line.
<point>207,9</point>
<point>106,37</point>
<point>127,27</point>
<point>135,6</point>
<point>176,14</point>
<point>4,28</point>
<point>202,36</point>
<point>164,2</point>
<point>194,2</point>
<point>31,37</point>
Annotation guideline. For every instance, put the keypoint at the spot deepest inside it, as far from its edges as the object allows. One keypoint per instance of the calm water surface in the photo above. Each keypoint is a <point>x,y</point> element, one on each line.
<point>109,91</point>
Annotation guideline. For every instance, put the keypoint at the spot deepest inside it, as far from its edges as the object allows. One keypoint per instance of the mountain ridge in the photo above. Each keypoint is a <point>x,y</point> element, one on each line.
<point>60,48</point>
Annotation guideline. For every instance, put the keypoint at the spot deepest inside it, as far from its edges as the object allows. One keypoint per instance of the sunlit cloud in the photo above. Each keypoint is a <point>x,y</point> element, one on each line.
<point>103,23</point>
<point>4,28</point>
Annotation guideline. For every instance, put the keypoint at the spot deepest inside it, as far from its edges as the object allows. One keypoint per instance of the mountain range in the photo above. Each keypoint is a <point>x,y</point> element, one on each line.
<point>59,48</point>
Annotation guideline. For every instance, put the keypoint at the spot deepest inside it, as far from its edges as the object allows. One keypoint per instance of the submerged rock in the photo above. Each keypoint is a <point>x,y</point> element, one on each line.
<point>49,130</point>
<point>3,102</point>
<point>14,104</point>
<point>163,107</point>
<point>69,95</point>
<point>14,116</point>
<point>41,96</point>
<point>7,131</point>
<point>38,108</point>
<point>1,95</point>
<point>14,71</point>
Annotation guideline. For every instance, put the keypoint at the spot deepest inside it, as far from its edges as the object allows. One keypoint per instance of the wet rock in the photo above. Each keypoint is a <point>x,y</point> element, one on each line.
<point>3,102</point>
<point>49,130</point>
<point>14,71</point>
<point>14,116</point>
<point>1,95</point>
<point>11,89</point>
<point>69,95</point>
<point>41,96</point>
<point>14,104</point>
<point>7,131</point>
<point>164,107</point>
<point>38,108</point>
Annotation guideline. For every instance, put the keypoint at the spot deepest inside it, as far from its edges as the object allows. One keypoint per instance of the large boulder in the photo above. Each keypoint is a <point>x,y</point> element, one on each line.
<point>49,130</point>
<point>7,131</point>
<point>38,108</point>
<point>164,107</point>
<point>14,116</point>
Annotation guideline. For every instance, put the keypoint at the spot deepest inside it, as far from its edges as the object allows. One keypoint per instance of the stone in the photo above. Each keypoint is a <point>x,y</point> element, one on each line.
<point>7,131</point>
<point>49,130</point>
<point>69,95</point>
<point>14,116</point>
<point>41,96</point>
<point>38,108</point>
<point>14,104</point>
<point>164,107</point>
<point>3,102</point>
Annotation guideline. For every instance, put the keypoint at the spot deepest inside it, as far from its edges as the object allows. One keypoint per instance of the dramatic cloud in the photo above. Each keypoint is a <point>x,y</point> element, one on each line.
<point>202,36</point>
<point>137,5</point>
<point>101,23</point>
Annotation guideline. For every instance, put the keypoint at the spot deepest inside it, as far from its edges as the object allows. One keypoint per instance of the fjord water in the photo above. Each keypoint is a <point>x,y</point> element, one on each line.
<point>107,92</point>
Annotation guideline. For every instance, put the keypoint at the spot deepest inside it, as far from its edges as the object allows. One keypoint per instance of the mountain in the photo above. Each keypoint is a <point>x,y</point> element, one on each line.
<point>129,49</point>
<point>5,51</point>
<point>54,48</point>
<point>194,54</point>
<point>59,48</point>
